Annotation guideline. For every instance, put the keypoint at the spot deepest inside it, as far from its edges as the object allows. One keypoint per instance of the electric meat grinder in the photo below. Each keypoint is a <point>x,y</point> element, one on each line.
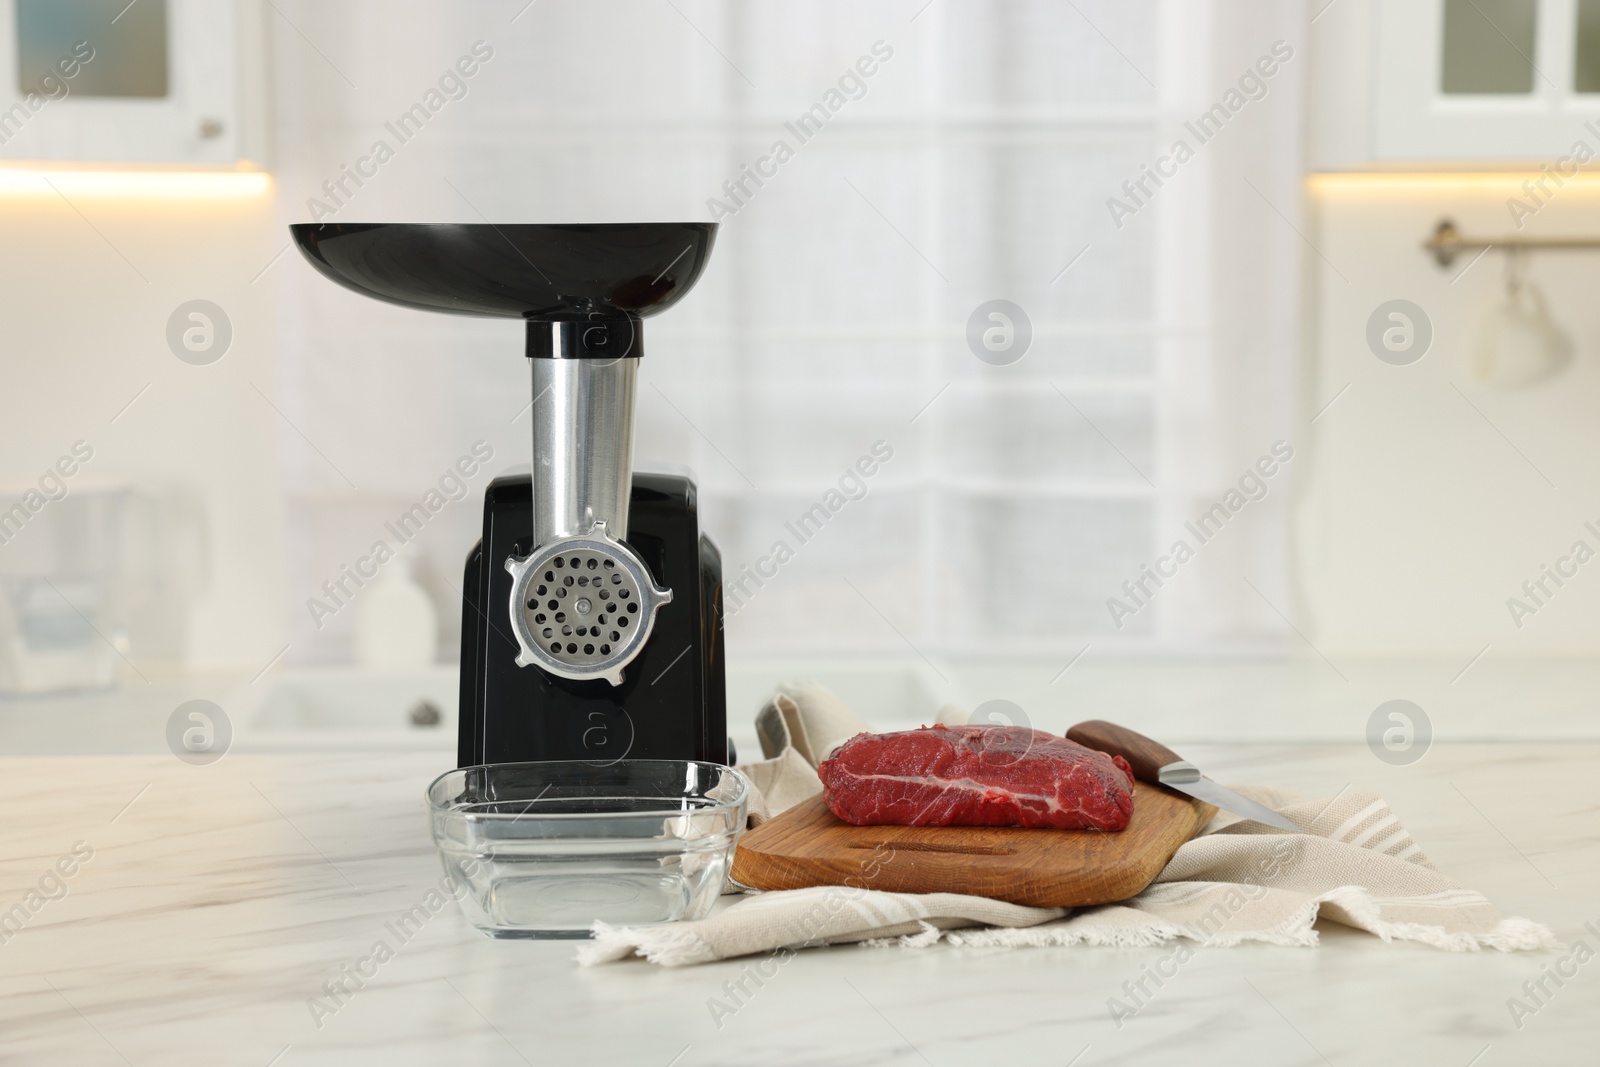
<point>592,616</point>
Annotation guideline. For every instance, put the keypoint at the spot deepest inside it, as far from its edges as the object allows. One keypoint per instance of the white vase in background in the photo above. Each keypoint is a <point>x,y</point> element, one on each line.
<point>1517,343</point>
<point>396,624</point>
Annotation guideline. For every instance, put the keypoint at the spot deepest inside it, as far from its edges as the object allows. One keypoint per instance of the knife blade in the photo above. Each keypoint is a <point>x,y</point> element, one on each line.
<point>1157,764</point>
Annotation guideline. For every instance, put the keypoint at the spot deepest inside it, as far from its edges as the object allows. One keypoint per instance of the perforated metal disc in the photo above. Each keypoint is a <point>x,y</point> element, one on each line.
<point>583,607</point>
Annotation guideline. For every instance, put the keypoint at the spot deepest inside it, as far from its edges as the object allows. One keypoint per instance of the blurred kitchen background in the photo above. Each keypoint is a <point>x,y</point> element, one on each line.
<point>1191,312</point>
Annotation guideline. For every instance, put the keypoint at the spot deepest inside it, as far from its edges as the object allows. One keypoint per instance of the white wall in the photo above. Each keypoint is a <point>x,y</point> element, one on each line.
<point>1428,504</point>
<point>1423,515</point>
<point>88,288</point>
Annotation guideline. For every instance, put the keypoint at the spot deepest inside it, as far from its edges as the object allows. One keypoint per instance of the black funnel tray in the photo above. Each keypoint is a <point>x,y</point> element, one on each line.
<point>514,271</point>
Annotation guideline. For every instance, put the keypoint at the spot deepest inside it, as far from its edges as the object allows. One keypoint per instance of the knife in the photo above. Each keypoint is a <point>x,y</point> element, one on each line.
<point>1157,764</point>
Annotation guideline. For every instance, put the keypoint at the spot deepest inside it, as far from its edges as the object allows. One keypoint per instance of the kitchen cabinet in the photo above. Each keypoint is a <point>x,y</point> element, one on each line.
<point>147,82</point>
<point>1484,80</point>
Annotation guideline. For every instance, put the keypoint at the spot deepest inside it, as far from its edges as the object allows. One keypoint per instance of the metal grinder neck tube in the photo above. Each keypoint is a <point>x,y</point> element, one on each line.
<point>582,445</point>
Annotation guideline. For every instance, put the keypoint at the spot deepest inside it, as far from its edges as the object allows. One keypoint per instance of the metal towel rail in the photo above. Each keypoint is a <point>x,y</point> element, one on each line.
<point>1447,243</point>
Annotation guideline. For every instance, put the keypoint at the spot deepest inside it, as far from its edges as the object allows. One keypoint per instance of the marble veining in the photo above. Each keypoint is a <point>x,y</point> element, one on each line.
<point>222,906</point>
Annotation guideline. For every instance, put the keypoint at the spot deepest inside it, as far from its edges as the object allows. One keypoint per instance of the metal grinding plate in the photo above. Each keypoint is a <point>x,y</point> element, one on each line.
<point>582,607</point>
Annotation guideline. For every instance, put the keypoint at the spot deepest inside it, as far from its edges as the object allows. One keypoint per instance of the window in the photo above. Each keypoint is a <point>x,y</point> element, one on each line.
<point>976,164</point>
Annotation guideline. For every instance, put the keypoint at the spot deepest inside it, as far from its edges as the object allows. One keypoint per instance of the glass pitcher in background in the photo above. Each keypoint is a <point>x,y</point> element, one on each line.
<point>81,573</point>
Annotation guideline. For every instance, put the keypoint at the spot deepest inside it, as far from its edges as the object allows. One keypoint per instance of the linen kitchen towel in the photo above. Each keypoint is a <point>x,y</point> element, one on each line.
<point>798,727</point>
<point>1238,881</point>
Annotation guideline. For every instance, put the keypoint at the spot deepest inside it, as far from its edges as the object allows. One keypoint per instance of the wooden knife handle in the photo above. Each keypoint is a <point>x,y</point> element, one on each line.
<point>1147,757</point>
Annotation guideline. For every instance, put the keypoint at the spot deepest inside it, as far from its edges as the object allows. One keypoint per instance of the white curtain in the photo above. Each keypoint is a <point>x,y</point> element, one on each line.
<point>975,162</point>
<point>1229,280</point>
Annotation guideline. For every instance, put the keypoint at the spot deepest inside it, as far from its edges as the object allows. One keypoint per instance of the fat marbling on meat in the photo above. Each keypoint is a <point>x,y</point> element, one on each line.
<point>976,776</point>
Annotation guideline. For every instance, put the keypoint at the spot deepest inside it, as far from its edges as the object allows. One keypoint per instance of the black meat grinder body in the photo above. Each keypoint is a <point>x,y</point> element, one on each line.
<point>671,703</point>
<point>592,606</point>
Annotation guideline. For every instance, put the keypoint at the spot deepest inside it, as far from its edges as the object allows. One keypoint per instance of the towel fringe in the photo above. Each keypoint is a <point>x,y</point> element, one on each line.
<point>669,946</point>
<point>1296,931</point>
<point>927,934</point>
<point>1511,934</point>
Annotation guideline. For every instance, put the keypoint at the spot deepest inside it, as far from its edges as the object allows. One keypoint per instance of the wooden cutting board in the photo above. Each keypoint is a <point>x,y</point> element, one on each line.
<point>808,846</point>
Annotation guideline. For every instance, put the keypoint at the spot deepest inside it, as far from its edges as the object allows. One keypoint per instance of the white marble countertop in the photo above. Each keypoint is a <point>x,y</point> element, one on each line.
<point>219,900</point>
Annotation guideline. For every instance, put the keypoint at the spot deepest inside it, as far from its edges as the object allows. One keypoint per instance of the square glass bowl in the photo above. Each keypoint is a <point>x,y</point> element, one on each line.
<point>545,849</point>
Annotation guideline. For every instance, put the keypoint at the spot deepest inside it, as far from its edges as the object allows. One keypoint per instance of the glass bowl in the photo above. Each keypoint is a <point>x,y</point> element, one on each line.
<point>545,849</point>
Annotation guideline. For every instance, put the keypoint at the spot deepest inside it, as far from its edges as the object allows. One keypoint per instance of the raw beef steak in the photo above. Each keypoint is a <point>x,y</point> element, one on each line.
<point>976,776</point>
